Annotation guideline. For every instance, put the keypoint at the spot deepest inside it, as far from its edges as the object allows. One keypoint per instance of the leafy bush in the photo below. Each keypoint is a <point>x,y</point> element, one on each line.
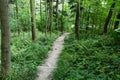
<point>116,35</point>
<point>41,23</point>
<point>27,55</point>
<point>89,59</point>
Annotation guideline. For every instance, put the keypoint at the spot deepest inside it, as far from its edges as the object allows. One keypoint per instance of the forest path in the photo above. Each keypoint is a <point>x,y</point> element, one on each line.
<point>45,71</point>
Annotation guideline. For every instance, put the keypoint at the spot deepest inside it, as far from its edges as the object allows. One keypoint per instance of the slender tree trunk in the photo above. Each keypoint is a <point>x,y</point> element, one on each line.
<point>41,13</point>
<point>88,19</point>
<point>16,3</point>
<point>46,18</point>
<point>77,21</point>
<point>109,17</point>
<point>62,20</point>
<point>5,37</point>
<point>51,15</point>
<point>56,14</point>
<point>33,21</point>
<point>117,22</point>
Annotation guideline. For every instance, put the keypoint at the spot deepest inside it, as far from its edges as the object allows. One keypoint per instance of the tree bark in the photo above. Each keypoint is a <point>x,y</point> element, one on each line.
<point>5,37</point>
<point>41,13</point>
<point>88,18</point>
<point>33,21</point>
<point>109,17</point>
<point>56,14</point>
<point>62,20</point>
<point>16,3</point>
<point>50,15</point>
<point>117,22</point>
<point>77,20</point>
<point>46,18</point>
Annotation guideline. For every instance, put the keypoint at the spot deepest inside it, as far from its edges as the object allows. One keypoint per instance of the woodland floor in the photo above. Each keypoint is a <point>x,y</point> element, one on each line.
<point>45,71</point>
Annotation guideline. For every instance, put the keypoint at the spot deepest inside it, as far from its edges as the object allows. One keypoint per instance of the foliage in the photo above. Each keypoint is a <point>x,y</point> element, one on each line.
<point>41,23</point>
<point>23,16</point>
<point>116,35</point>
<point>26,55</point>
<point>89,59</point>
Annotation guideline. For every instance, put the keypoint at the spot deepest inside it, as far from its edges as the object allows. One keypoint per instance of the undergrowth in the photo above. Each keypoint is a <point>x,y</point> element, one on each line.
<point>27,55</point>
<point>92,58</point>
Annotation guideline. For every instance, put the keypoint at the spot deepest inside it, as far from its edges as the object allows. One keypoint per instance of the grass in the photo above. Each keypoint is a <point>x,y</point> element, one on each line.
<point>92,58</point>
<point>27,55</point>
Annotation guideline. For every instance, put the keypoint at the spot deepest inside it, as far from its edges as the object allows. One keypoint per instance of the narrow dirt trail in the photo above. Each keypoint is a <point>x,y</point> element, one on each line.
<point>45,71</point>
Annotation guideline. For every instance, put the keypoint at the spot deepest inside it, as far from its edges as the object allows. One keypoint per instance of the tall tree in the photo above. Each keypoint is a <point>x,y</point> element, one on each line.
<point>5,37</point>
<point>50,15</point>
<point>117,21</point>
<point>46,18</point>
<point>88,18</point>
<point>33,21</point>
<point>57,1</point>
<point>16,3</point>
<point>62,18</point>
<point>109,17</point>
<point>41,12</point>
<point>77,20</point>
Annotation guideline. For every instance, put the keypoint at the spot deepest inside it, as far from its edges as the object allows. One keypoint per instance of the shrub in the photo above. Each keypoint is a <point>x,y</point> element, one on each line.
<point>116,35</point>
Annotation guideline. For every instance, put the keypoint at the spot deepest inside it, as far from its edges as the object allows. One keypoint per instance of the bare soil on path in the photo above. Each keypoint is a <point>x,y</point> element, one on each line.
<point>45,71</point>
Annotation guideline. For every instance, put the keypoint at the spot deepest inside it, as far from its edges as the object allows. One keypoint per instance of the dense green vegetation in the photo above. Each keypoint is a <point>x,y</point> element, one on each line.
<point>91,58</point>
<point>26,55</point>
<point>29,27</point>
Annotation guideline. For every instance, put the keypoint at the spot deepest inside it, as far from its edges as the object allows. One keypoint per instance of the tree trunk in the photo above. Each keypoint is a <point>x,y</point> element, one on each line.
<point>16,3</point>
<point>109,17</point>
<point>56,14</point>
<point>77,21</point>
<point>50,15</point>
<point>33,21</point>
<point>41,13</point>
<point>46,17</point>
<point>62,20</point>
<point>5,37</point>
<point>117,22</point>
<point>88,18</point>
